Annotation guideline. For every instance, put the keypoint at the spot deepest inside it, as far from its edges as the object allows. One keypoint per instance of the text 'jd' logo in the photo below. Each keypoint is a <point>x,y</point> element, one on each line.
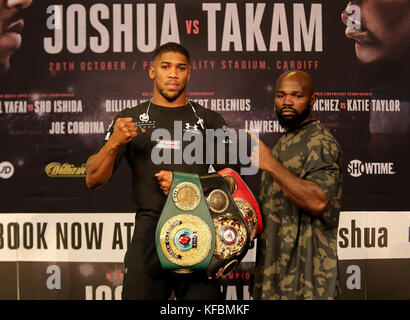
<point>356,168</point>
<point>6,170</point>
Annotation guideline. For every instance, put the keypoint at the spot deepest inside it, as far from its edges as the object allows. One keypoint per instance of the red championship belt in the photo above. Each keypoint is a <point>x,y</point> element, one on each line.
<point>245,200</point>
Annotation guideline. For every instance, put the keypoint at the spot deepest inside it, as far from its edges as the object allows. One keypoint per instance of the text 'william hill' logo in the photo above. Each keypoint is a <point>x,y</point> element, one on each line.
<point>64,170</point>
<point>356,168</point>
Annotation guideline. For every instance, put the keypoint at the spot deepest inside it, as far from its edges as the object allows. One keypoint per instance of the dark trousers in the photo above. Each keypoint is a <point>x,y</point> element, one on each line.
<point>144,278</point>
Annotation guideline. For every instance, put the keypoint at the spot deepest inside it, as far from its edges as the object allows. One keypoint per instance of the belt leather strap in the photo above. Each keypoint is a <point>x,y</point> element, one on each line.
<point>232,232</point>
<point>245,200</point>
<point>185,235</point>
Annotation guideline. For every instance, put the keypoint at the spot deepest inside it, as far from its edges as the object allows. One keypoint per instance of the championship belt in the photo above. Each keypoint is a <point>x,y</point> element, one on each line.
<point>245,200</point>
<point>231,229</point>
<point>185,235</point>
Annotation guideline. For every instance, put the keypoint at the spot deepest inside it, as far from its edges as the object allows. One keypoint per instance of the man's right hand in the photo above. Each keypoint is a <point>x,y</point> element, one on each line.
<point>100,165</point>
<point>124,131</point>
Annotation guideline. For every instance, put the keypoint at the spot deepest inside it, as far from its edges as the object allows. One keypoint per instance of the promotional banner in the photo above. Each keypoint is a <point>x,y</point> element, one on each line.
<point>68,68</point>
<point>374,254</point>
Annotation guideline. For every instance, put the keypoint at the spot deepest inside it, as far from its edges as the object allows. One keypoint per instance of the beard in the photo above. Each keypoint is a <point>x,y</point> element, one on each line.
<point>292,122</point>
<point>171,97</point>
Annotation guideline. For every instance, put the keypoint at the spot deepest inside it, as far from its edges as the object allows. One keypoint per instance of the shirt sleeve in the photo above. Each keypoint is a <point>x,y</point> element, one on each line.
<point>323,166</point>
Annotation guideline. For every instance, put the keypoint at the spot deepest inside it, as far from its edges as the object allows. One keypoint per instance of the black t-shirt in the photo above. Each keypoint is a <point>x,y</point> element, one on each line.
<point>138,152</point>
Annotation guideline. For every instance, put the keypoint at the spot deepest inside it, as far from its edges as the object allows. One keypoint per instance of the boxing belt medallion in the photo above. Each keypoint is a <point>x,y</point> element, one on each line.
<point>185,235</point>
<point>245,200</point>
<point>231,229</point>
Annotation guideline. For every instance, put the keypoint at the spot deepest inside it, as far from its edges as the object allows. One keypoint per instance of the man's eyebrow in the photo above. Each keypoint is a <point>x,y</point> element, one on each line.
<point>291,92</point>
<point>178,64</point>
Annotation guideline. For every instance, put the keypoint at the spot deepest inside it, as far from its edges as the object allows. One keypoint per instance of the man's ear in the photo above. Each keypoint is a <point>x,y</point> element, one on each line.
<point>313,99</point>
<point>151,73</point>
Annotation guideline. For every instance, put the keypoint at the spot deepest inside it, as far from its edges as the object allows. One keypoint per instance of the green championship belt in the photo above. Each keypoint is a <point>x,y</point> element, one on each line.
<point>185,235</point>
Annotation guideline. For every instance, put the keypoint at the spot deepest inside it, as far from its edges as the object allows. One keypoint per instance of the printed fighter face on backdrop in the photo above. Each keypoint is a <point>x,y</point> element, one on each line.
<point>11,26</point>
<point>231,214</point>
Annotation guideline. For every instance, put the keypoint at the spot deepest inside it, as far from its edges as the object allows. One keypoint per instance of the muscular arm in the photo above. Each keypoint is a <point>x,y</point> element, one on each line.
<point>99,166</point>
<point>305,194</point>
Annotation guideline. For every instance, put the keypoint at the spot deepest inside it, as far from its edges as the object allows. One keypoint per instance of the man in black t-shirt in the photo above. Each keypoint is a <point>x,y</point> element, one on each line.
<point>146,135</point>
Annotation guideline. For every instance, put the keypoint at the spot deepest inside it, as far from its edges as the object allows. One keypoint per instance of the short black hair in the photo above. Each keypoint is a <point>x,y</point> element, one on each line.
<point>171,47</point>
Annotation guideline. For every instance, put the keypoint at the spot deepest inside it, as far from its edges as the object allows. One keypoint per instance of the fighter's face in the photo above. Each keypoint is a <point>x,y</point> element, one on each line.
<point>170,73</point>
<point>11,25</point>
<point>293,102</point>
<point>385,30</point>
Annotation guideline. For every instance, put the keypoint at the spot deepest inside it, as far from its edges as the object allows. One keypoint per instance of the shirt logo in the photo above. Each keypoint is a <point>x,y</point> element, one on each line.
<point>191,128</point>
<point>168,144</point>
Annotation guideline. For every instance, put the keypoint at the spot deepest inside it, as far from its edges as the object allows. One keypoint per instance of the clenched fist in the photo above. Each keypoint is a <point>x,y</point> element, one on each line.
<point>261,155</point>
<point>165,180</point>
<point>124,131</point>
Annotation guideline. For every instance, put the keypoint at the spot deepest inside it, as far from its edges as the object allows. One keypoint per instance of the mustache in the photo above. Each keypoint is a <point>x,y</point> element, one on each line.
<point>346,17</point>
<point>287,108</point>
<point>361,21</point>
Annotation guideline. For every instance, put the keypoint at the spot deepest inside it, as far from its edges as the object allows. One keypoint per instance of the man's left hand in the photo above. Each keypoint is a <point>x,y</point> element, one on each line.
<point>261,156</point>
<point>165,180</point>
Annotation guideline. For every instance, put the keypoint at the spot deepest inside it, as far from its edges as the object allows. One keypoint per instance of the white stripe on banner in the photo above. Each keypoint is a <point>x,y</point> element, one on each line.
<point>68,237</point>
<point>374,235</point>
